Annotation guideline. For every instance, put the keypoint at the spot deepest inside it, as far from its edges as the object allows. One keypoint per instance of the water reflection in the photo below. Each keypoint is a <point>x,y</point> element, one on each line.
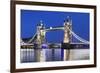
<point>28,55</point>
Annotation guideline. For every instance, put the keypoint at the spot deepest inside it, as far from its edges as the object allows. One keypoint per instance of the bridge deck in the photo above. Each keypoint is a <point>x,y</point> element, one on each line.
<point>59,46</point>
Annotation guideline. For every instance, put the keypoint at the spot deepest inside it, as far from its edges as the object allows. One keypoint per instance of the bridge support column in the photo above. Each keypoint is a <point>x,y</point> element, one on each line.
<point>67,38</point>
<point>40,53</point>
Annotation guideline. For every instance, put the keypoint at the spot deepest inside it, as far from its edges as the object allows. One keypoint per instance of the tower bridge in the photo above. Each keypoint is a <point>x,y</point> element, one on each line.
<point>37,41</point>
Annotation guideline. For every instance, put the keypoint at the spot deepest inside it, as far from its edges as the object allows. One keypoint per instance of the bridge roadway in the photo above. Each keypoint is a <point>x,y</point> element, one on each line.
<point>58,46</point>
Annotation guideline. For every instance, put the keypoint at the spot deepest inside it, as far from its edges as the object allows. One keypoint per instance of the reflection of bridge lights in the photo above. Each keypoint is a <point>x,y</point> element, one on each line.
<point>50,27</point>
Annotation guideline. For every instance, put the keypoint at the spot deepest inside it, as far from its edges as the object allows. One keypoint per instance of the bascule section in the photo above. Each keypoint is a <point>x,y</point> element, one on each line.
<point>38,43</point>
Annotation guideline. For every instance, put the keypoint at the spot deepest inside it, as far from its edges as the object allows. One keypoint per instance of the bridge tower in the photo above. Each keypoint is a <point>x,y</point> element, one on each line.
<point>39,53</point>
<point>67,38</point>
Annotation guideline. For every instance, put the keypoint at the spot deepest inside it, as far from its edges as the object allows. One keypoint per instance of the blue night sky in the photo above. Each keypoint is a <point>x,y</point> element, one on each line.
<point>30,18</point>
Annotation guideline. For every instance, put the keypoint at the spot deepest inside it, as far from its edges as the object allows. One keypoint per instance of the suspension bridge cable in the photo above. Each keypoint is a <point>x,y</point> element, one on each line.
<point>78,37</point>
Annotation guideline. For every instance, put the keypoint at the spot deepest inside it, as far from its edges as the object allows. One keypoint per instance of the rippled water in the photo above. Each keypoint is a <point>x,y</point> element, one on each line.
<point>28,55</point>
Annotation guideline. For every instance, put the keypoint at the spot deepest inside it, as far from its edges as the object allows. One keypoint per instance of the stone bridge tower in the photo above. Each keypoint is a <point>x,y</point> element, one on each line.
<point>39,53</point>
<point>67,38</point>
